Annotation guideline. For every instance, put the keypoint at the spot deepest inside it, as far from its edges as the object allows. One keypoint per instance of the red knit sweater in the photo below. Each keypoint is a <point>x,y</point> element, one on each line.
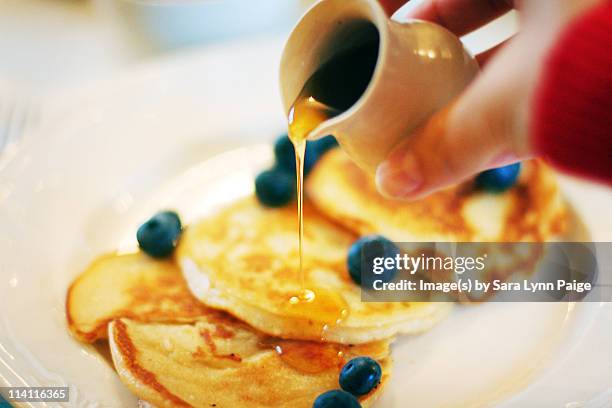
<point>572,109</point>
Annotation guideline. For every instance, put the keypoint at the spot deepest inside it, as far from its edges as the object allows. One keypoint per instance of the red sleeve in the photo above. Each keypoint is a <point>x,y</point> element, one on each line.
<point>572,116</point>
<point>391,6</point>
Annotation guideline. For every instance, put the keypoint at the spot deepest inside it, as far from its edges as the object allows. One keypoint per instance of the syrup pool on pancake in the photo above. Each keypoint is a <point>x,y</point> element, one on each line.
<point>243,259</point>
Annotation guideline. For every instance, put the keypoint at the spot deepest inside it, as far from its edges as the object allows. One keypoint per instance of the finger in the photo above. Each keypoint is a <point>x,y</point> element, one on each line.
<point>433,158</point>
<point>484,57</point>
<point>482,129</point>
<point>391,6</point>
<point>461,16</point>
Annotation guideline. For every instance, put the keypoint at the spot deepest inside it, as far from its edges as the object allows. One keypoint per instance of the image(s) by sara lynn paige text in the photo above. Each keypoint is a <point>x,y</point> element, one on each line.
<point>477,272</point>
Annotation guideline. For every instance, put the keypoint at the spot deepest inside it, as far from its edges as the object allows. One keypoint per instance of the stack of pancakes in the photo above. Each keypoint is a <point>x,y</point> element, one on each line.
<point>213,326</point>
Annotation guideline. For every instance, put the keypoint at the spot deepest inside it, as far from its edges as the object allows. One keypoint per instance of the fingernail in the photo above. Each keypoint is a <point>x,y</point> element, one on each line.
<point>398,180</point>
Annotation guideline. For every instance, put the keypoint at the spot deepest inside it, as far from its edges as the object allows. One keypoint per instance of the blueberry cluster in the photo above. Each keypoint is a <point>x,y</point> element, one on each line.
<point>276,187</point>
<point>358,377</point>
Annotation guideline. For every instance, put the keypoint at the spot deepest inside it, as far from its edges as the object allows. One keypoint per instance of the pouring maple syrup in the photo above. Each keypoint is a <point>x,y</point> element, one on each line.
<point>331,90</point>
<point>305,115</point>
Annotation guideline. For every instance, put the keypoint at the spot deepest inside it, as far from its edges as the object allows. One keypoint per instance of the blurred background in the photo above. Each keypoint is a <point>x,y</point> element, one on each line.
<point>50,44</point>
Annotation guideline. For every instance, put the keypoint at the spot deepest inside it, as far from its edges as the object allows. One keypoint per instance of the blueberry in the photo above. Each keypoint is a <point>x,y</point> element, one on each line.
<point>275,188</point>
<point>361,256</point>
<point>336,399</point>
<point>499,179</point>
<point>285,154</point>
<point>360,375</point>
<point>173,217</point>
<point>311,158</point>
<point>158,236</point>
<point>324,144</point>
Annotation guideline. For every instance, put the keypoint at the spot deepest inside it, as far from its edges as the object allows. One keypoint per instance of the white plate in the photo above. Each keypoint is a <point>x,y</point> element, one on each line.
<point>120,150</point>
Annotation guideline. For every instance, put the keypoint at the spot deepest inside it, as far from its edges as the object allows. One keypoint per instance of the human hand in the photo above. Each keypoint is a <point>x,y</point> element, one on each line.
<point>488,124</point>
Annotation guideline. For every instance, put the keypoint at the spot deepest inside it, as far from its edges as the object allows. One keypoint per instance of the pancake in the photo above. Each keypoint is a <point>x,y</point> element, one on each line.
<point>130,285</point>
<point>532,210</point>
<point>165,360</point>
<point>221,362</point>
<point>244,260</point>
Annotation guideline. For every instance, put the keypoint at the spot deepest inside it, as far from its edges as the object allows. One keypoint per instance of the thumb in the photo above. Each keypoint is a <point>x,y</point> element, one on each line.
<point>485,127</point>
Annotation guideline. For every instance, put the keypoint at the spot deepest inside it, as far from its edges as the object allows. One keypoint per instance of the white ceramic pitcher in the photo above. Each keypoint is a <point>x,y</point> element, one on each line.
<point>420,68</point>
